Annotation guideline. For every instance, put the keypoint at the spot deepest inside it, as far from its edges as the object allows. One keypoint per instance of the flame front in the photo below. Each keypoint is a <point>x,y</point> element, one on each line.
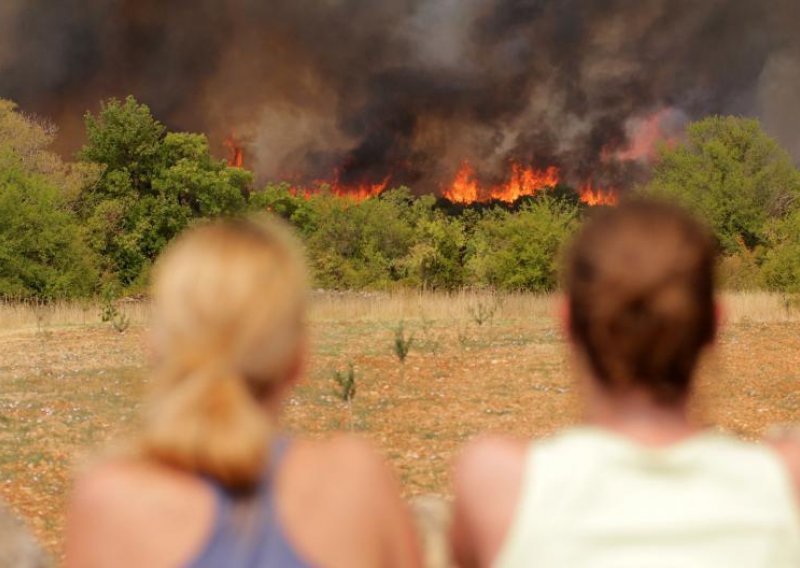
<point>356,192</point>
<point>522,181</point>
<point>591,195</point>
<point>466,189</point>
<point>236,157</point>
<point>359,192</point>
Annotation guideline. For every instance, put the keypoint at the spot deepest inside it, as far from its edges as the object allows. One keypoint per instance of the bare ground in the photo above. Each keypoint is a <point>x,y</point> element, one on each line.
<point>68,389</point>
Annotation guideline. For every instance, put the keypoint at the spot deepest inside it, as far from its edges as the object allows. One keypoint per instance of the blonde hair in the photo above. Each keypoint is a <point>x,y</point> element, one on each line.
<point>229,301</point>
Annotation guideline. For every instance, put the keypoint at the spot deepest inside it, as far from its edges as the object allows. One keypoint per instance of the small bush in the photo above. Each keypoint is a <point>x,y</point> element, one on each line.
<point>483,311</point>
<point>402,342</point>
<point>346,382</point>
<point>111,314</point>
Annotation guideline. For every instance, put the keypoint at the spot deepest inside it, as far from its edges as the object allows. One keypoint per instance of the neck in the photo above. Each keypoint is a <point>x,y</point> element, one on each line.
<point>636,415</point>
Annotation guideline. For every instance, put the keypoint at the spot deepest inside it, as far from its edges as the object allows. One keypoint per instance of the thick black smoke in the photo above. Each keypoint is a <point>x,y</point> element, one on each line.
<point>410,88</point>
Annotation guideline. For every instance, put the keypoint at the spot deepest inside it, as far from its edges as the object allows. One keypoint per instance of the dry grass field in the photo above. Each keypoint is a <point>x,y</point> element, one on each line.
<point>69,383</point>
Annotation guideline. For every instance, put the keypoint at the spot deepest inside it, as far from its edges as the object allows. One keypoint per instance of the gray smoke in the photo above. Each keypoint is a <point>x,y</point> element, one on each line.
<point>410,88</point>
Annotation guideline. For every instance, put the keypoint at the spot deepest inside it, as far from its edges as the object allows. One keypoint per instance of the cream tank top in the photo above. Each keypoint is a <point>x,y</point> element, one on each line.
<point>590,497</point>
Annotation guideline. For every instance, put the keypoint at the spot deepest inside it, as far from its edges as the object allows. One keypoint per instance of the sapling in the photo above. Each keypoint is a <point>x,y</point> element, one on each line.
<point>402,342</point>
<point>483,311</point>
<point>110,313</point>
<point>347,383</point>
<point>346,391</point>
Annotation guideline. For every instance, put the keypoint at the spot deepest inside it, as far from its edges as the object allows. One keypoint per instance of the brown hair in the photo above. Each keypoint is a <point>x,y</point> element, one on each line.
<point>229,302</point>
<point>640,286</point>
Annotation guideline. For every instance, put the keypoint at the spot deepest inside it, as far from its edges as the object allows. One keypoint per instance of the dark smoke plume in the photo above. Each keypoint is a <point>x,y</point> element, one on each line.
<point>411,88</point>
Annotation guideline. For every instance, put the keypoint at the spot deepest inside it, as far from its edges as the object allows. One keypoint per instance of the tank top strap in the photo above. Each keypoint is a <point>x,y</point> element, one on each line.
<point>259,542</point>
<point>276,454</point>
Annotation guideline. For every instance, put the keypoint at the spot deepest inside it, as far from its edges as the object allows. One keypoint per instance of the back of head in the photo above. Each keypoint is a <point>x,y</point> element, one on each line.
<point>229,303</point>
<point>640,285</point>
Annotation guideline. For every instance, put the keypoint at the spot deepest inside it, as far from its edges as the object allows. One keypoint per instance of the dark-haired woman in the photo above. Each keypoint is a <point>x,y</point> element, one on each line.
<point>210,481</point>
<point>638,483</point>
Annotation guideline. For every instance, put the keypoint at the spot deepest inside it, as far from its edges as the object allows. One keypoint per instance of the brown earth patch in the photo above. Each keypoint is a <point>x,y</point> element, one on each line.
<point>65,391</point>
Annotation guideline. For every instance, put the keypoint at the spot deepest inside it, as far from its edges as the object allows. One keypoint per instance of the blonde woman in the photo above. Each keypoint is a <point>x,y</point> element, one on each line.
<point>211,481</point>
<point>639,483</point>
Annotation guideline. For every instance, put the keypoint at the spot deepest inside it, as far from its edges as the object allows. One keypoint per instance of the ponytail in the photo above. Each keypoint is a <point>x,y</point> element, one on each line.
<point>229,301</point>
<point>208,423</point>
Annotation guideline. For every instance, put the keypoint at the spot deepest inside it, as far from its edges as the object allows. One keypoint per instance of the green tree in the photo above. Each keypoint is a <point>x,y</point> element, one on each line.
<point>42,254</point>
<point>124,137</point>
<point>153,184</point>
<point>733,175</point>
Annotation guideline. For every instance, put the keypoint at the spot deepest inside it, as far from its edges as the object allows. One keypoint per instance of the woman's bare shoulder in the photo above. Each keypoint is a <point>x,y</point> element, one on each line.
<point>118,505</point>
<point>130,483</point>
<point>785,440</point>
<point>340,504</point>
<point>487,481</point>
<point>348,462</point>
<point>107,487</point>
<point>489,460</point>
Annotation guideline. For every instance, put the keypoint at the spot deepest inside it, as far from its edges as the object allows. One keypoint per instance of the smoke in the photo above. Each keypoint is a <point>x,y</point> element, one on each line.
<point>412,88</point>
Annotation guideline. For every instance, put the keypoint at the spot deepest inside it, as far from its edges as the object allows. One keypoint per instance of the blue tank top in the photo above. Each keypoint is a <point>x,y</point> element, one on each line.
<point>246,532</point>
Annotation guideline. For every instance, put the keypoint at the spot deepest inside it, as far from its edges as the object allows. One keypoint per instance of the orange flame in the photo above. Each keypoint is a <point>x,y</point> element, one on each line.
<point>466,189</point>
<point>522,181</point>
<point>236,158</point>
<point>597,196</point>
<point>356,192</point>
<point>359,192</point>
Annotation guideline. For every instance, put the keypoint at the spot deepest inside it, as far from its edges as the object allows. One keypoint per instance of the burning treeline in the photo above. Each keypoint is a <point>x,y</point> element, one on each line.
<point>465,187</point>
<point>473,100</point>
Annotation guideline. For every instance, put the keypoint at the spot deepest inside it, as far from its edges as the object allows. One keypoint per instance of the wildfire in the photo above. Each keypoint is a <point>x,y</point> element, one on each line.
<point>522,181</point>
<point>236,156</point>
<point>466,189</point>
<point>644,134</point>
<point>356,192</point>
<point>597,196</point>
<point>359,192</point>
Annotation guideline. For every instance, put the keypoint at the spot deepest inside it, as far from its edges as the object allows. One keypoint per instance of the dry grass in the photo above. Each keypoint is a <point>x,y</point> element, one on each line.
<point>70,383</point>
<point>32,315</point>
<point>432,306</point>
<point>759,307</point>
<point>738,307</point>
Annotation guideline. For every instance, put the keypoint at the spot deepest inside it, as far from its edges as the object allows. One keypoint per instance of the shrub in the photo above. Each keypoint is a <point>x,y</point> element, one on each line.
<point>520,251</point>
<point>346,383</point>
<point>402,342</point>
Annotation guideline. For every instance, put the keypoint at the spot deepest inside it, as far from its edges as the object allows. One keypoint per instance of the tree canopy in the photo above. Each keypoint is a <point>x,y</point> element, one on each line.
<point>152,185</point>
<point>732,175</point>
<point>42,253</point>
